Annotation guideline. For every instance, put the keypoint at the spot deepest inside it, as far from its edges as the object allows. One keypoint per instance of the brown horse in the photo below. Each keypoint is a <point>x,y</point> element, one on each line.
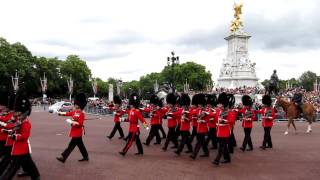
<point>291,109</point>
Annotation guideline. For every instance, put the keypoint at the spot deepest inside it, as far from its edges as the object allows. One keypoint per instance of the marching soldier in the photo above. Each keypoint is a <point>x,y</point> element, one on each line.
<point>185,125</point>
<point>202,127</point>
<point>223,129</point>
<point>8,121</point>
<point>77,129</point>
<point>20,133</point>
<point>194,111</point>
<point>233,117</point>
<point>4,118</point>
<point>134,116</point>
<point>172,121</point>
<point>156,116</point>
<point>118,112</point>
<point>248,116</point>
<point>268,116</point>
<point>212,122</point>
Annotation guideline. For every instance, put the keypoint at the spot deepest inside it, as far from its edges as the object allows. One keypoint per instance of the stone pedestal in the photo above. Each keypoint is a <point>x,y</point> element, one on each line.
<point>237,69</point>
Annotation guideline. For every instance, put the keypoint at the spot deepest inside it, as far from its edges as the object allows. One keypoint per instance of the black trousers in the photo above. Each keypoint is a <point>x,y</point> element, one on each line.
<point>201,142</point>
<point>18,161</point>
<point>232,142</point>
<point>267,137</point>
<point>154,132</point>
<point>131,138</point>
<point>75,141</point>
<point>171,137</point>
<point>223,149</point>
<point>185,141</point>
<point>2,146</point>
<point>178,131</point>
<point>117,127</point>
<point>193,133</point>
<point>164,135</point>
<point>247,138</point>
<point>212,136</point>
<point>6,159</point>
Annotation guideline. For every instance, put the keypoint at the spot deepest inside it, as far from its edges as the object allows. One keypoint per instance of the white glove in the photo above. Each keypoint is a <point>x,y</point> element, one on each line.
<point>69,121</point>
<point>3,124</point>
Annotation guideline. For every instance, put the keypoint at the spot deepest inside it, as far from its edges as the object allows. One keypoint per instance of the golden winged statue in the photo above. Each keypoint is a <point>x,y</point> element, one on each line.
<point>236,23</point>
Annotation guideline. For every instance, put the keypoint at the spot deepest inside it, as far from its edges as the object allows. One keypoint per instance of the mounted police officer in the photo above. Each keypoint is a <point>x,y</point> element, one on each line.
<point>297,99</point>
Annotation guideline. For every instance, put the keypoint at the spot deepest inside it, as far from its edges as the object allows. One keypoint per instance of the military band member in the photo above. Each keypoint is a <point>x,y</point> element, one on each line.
<point>248,116</point>
<point>20,133</point>
<point>233,112</point>
<point>268,116</point>
<point>172,121</point>
<point>8,122</point>
<point>118,113</point>
<point>185,124</point>
<point>202,127</point>
<point>77,129</point>
<point>134,116</point>
<point>223,129</point>
<point>156,116</point>
<point>212,121</point>
<point>195,112</point>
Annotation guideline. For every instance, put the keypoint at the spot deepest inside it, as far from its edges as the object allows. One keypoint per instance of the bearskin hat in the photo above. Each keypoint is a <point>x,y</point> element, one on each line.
<point>81,100</point>
<point>266,100</point>
<point>211,99</point>
<point>194,100</point>
<point>160,103</point>
<point>22,104</point>
<point>11,100</point>
<point>223,99</point>
<point>231,100</point>
<point>246,100</point>
<point>4,98</point>
<point>171,99</point>
<point>117,100</point>
<point>134,100</point>
<point>201,99</point>
<point>184,100</point>
<point>154,99</point>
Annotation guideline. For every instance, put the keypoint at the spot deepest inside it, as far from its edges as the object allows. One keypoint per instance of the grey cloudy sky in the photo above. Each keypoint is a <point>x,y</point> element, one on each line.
<point>127,39</point>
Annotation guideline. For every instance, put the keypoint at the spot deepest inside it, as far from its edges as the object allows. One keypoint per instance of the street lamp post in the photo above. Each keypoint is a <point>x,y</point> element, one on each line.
<point>15,82</point>
<point>172,61</point>
<point>70,86</point>
<point>44,86</point>
<point>94,85</point>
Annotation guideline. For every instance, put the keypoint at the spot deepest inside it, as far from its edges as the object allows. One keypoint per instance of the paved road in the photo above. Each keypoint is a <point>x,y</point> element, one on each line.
<point>294,157</point>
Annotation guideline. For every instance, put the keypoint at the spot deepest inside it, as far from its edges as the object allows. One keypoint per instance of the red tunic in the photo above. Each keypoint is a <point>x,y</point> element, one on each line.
<point>21,143</point>
<point>202,127</point>
<point>76,129</point>
<point>172,117</point>
<point>185,121</point>
<point>248,117</point>
<point>3,136</point>
<point>195,112</point>
<point>212,120</point>
<point>268,116</point>
<point>223,129</point>
<point>118,115</point>
<point>156,117</point>
<point>134,116</point>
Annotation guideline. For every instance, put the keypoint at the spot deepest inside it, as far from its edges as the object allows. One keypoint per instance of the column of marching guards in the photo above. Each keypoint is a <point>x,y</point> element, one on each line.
<point>15,130</point>
<point>211,117</point>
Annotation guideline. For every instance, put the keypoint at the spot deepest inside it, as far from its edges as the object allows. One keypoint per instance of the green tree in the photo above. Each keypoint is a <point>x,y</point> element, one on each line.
<point>307,79</point>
